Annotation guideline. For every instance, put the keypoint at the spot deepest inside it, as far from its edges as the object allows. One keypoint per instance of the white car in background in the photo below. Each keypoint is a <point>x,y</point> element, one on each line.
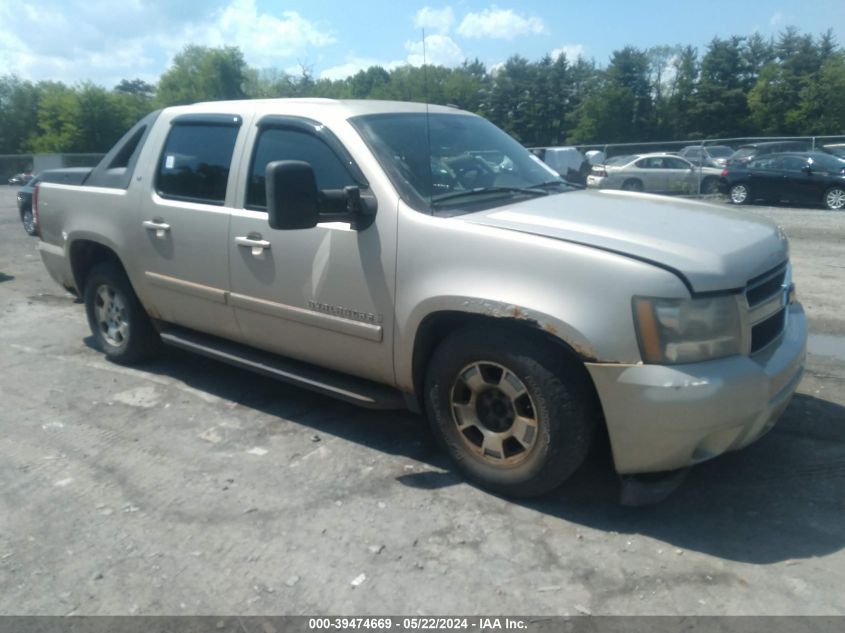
<point>654,173</point>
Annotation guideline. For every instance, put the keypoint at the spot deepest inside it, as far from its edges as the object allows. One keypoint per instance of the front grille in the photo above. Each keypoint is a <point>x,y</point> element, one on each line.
<point>766,298</point>
<point>767,331</point>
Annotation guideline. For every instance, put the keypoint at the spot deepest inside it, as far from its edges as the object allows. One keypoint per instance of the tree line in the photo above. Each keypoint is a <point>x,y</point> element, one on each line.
<point>736,87</point>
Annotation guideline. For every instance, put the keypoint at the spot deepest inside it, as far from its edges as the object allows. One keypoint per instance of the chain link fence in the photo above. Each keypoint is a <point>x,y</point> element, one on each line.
<point>707,156</point>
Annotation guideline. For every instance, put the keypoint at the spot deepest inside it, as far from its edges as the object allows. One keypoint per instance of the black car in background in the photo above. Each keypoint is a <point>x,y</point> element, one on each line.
<point>68,176</point>
<point>20,179</point>
<point>750,151</point>
<point>25,205</point>
<point>837,150</point>
<point>807,177</point>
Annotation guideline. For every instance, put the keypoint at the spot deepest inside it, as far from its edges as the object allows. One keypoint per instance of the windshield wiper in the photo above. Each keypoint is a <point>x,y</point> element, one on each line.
<point>533,191</point>
<point>562,181</point>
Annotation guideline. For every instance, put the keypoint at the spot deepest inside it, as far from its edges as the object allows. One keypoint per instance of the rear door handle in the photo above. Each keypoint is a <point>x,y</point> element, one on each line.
<point>254,242</point>
<point>157,225</point>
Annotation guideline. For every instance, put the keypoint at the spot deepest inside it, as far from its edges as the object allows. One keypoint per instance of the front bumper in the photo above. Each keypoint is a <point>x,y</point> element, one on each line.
<point>664,417</point>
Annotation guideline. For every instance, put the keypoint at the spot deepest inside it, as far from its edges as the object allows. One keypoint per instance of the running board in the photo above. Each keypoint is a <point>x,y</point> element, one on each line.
<point>359,391</point>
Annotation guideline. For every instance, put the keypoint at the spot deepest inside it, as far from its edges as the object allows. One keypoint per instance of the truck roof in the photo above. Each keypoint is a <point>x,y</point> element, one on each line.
<point>332,108</point>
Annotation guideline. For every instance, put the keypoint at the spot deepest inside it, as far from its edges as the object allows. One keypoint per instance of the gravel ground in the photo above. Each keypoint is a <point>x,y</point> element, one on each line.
<point>189,487</point>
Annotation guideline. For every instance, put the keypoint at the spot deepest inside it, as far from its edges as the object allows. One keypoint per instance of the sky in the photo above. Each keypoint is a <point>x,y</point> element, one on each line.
<point>105,41</point>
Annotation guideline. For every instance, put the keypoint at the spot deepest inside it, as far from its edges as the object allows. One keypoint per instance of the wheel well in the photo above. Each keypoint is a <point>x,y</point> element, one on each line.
<point>84,254</point>
<point>436,327</point>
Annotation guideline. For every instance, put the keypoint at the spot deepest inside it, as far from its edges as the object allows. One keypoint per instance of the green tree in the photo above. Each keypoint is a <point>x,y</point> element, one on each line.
<point>199,73</point>
<point>18,113</point>
<point>682,93</point>
<point>822,108</point>
<point>621,109</point>
<point>366,82</point>
<point>103,118</point>
<point>662,68</point>
<point>58,119</point>
<point>775,100</point>
<point>135,87</point>
<point>720,108</point>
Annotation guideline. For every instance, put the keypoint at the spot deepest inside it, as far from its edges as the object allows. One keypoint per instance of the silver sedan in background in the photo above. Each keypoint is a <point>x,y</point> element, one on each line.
<point>654,173</point>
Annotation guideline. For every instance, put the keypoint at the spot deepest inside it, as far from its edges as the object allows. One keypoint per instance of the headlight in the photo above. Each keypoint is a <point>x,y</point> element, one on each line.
<point>672,331</point>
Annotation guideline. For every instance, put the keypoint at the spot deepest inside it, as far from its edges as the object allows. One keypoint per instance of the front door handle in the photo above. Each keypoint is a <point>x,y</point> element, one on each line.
<point>158,225</point>
<point>254,242</point>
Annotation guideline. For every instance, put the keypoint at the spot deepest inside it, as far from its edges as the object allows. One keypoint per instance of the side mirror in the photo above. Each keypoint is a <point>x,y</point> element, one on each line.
<point>807,169</point>
<point>294,202</point>
<point>291,195</point>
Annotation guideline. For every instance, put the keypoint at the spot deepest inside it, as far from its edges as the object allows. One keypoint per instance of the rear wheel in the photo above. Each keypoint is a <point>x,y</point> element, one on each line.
<point>834,199</point>
<point>709,186</point>
<point>28,221</point>
<point>740,193</point>
<point>513,414</point>
<point>121,327</point>
<point>632,184</point>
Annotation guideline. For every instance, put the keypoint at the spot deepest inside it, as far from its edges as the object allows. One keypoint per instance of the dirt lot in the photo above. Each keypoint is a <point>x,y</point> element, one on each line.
<point>189,487</point>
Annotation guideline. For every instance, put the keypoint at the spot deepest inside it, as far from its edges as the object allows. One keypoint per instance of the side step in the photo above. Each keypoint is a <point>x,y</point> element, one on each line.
<point>364,393</point>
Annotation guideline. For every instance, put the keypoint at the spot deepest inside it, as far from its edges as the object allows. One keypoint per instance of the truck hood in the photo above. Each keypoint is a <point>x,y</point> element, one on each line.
<point>709,247</point>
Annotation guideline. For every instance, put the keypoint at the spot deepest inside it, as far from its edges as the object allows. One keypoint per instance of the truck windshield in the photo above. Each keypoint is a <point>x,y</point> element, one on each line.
<point>447,164</point>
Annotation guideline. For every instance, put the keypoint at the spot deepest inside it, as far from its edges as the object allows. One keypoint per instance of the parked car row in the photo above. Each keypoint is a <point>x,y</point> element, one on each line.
<point>693,169</point>
<point>654,173</point>
<point>799,177</point>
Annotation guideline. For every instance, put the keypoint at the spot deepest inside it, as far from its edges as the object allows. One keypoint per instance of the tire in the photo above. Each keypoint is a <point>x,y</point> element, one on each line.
<point>515,415</point>
<point>834,199</point>
<point>739,193</point>
<point>28,221</point>
<point>632,184</point>
<point>709,186</point>
<point>120,326</point>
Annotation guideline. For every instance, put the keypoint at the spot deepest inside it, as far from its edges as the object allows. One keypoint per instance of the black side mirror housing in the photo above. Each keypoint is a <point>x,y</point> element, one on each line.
<point>294,202</point>
<point>807,169</point>
<point>291,195</point>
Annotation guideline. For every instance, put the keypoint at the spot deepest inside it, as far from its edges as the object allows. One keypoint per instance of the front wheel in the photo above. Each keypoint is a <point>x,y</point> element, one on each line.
<point>515,415</point>
<point>632,184</point>
<point>121,327</point>
<point>834,199</point>
<point>740,194</point>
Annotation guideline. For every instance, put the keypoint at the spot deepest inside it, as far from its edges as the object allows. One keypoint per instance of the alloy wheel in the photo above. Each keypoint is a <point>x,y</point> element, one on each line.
<point>835,199</point>
<point>28,222</point>
<point>739,194</point>
<point>111,315</point>
<point>495,414</point>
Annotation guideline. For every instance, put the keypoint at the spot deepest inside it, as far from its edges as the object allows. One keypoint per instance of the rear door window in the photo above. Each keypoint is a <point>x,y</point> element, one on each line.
<point>675,163</point>
<point>793,163</point>
<point>764,163</point>
<point>649,163</point>
<point>195,163</point>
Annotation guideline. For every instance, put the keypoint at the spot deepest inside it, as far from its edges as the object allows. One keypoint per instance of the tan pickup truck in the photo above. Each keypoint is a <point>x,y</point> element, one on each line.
<point>402,255</point>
